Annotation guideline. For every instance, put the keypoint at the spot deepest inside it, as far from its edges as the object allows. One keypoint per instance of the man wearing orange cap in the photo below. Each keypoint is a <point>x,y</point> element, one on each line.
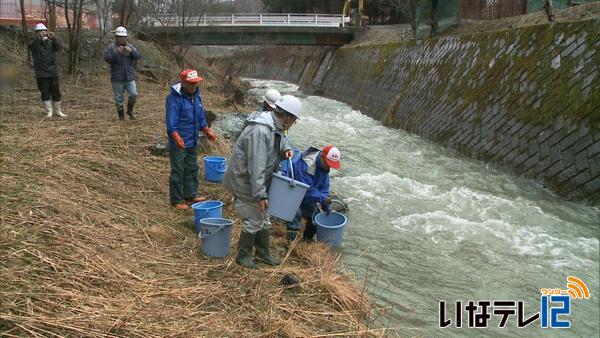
<point>185,119</point>
<point>312,168</point>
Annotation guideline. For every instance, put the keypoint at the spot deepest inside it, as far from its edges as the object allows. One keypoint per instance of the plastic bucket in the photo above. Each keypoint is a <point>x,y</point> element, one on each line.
<point>216,236</point>
<point>285,196</point>
<point>330,228</point>
<point>206,209</point>
<point>214,168</point>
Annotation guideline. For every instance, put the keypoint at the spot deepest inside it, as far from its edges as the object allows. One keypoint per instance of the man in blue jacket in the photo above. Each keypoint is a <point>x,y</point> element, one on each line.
<point>123,57</point>
<point>185,119</point>
<point>312,168</point>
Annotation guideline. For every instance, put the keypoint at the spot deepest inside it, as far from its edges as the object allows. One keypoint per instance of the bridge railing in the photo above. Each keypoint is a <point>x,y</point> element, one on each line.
<point>294,20</point>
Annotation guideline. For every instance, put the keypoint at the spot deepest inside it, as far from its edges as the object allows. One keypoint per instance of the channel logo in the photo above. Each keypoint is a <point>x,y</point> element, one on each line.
<point>555,306</point>
<point>577,289</point>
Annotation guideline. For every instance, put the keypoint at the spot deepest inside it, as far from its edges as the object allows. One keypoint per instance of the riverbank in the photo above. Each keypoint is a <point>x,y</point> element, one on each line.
<point>91,246</point>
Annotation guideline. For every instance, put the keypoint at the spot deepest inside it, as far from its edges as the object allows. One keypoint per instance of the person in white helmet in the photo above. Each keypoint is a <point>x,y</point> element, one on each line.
<point>269,99</point>
<point>123,57</point>
<point>43,49</point>
<point>255,157</point>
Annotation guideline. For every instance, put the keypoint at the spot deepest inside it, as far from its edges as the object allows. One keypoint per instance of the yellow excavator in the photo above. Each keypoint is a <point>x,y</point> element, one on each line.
<point>359,20</point>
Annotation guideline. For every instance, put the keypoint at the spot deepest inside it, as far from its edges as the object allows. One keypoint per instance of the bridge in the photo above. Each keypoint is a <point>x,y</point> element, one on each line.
<point>250,29</point>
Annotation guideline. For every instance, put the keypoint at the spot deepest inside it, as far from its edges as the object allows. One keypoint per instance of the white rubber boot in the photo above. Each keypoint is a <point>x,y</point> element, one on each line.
<point>48,105</point>
<point>57,109</point>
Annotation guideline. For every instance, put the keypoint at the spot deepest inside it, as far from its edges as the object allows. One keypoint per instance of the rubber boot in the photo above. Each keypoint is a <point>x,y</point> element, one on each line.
<point>263,253</point>
<point>309,231</point>
<point>48,106</point>
<point>130,105</point>
<point>121,113</point>
<point>58,110</point>
<point>244,252</point>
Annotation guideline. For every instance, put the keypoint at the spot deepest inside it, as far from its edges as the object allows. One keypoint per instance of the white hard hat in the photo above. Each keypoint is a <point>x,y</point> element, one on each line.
<point>290,104</point>
<point>271,96</point>
<point>40,27</point>
<point>121,31</point>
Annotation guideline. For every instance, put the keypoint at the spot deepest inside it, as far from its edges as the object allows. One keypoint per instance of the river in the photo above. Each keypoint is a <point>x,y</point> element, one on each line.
<point>427,224</point>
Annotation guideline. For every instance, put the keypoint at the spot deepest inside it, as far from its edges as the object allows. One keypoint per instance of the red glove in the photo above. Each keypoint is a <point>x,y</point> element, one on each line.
<point>210,134</point>
<point>178,140</point>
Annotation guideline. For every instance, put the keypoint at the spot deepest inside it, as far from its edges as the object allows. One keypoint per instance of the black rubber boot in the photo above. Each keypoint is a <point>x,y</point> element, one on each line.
<point>261,244</point>
<point>244,252</point>
<point>130,105</point>
<point>309,231</point>
<point>121,114</point>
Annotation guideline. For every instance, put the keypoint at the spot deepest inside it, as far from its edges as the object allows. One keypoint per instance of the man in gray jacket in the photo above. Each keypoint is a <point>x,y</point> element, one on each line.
<point>256,156</point>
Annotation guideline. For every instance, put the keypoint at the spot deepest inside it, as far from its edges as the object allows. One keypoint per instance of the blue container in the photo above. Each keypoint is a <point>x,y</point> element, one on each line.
<point>206,209</point>
<point>330,228</point>
<point>214,168</point>
<point>216,236</point>
<point>285,196</point>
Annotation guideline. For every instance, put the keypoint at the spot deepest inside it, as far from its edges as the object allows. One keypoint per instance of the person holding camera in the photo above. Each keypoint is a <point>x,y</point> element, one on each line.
<point>43,50</point>
<point>123,57</point>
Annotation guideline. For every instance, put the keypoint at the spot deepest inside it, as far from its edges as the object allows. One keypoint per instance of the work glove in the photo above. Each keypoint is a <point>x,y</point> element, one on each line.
<point>326,205</point>
<point>178,140</point>
<point>212,136</point>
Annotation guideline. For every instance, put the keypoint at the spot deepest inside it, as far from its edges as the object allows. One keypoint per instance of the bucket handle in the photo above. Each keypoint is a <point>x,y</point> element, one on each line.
<point>211,234</point>
<point>217,169</point>
<point>291,170</point>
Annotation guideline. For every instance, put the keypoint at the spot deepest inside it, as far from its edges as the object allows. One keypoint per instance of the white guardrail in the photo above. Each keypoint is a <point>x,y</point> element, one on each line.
<point>282,20</point>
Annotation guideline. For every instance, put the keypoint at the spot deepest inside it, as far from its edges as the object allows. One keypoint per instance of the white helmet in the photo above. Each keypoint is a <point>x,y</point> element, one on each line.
<point>290,104</point>
<point>271,96</point>
<point>40,27</point>
<point>121,31</point>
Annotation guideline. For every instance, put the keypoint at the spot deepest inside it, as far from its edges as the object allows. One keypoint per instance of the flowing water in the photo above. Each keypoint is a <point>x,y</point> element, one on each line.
<point>427,224</point>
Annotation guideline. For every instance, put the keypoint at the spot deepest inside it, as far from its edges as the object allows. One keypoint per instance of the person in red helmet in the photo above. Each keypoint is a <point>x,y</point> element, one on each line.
<point>312,167</point>
<point>185,120</point>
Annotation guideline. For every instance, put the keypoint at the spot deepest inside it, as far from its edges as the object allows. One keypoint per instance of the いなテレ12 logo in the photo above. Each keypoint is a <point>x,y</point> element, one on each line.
<point>555,305</point>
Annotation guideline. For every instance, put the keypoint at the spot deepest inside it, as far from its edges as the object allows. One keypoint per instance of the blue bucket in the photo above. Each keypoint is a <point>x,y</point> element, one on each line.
<point>330,228</point>
<point>216,236</point>
<point>206,209</point>
<point>214,168</point>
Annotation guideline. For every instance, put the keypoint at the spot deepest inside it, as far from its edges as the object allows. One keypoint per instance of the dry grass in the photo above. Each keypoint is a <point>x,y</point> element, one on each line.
<point>91,247</point>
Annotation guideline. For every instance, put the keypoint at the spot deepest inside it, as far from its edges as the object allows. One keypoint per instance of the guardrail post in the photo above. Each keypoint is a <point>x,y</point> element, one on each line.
<point>260,19</point>
<point>232,19</point>
<point>289,21</point>
<point>316,19</point>
<point>204,19</point>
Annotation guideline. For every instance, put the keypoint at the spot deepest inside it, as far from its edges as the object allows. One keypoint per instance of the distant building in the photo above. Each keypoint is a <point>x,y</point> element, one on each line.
<point>39,10</point>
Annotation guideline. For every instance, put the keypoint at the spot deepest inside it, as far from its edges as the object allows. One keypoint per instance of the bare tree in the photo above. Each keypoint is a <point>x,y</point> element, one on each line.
<point>157,10</point>
<point>24,22</point>
<point>408,10</point>
<point>104,14</point>
<point>51,6</point>
<point>74,27</point>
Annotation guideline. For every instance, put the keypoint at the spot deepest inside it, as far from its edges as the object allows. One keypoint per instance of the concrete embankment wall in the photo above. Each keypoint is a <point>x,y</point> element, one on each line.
<point>526,99</point>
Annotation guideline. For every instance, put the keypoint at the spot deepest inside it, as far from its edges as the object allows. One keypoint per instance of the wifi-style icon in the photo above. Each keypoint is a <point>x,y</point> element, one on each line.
<point>577,288</point>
